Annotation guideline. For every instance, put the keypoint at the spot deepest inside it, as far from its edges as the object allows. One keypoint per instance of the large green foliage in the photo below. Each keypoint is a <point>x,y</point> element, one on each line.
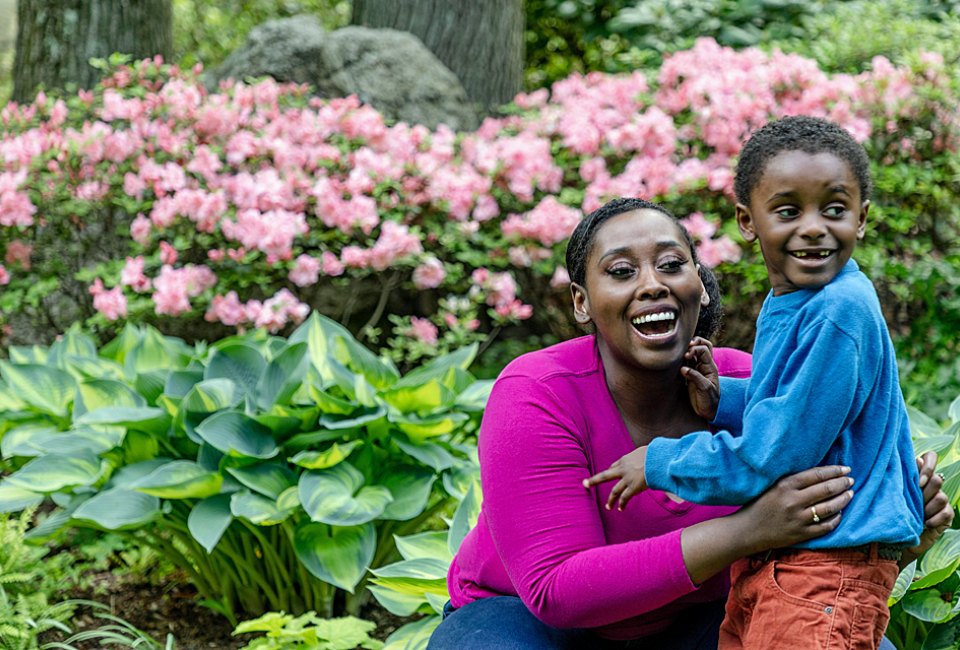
<point>273,471</point>
<point>925,605</point>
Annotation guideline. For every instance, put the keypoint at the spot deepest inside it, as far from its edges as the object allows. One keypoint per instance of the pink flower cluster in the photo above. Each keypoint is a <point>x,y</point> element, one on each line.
<point>262,181</point>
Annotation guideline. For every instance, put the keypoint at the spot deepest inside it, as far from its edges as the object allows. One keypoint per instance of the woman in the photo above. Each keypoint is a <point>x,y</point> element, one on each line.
<point>548,566</point>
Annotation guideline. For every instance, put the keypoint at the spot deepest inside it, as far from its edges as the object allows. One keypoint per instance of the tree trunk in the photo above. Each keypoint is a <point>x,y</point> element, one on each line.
<point>481,41</point>
<point>57,38</point>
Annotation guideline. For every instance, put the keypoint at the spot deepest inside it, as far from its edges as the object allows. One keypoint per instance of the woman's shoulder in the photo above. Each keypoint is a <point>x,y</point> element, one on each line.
<point>732,362</point>
<point>575,357</point>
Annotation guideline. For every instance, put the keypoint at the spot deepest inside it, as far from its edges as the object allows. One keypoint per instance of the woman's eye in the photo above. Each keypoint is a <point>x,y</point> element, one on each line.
<point>620,271</point>
<point>672,266</point>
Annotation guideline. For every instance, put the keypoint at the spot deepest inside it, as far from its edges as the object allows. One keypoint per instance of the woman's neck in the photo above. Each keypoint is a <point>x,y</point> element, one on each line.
<point>652,403</point>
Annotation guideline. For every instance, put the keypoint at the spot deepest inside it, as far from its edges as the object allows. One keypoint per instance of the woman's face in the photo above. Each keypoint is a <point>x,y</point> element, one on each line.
<point>643,291</point>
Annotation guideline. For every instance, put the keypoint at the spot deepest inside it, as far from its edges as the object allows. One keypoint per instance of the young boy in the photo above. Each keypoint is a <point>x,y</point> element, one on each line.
<point>824,390</point>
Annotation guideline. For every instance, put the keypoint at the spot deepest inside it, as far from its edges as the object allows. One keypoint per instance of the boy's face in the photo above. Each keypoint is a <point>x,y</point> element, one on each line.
<point>808,215</point>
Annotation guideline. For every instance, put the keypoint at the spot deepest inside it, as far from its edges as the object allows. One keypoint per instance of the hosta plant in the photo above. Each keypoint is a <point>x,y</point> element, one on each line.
<point>273,471</point>
<point>418,583</point>
<point>925,605</point>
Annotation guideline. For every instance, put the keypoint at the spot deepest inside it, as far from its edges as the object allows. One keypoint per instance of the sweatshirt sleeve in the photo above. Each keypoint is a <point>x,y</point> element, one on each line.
<point>547,528</point>
<point>733,400</point>
<point>790,430</point>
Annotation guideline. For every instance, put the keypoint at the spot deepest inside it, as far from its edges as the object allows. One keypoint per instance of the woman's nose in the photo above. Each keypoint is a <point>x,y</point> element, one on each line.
<point>649,285</point>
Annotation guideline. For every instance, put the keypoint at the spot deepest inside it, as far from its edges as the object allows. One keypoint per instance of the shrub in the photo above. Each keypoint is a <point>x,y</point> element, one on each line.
<point>273,472</point>
<point>249,207</point>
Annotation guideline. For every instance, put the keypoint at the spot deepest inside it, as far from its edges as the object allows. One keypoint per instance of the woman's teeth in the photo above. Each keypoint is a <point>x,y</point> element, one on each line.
<point>656,324</point>
<point>649,318</point>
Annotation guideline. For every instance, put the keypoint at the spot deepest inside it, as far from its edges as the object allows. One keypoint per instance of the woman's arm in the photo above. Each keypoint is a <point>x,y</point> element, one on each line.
<point>937,511</point>
<point>781,516</point>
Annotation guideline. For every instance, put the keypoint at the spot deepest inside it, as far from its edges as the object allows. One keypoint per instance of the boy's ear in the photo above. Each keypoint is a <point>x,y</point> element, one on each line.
<point>745,223</point>
<point>862,226</point>
<point>581,304</point>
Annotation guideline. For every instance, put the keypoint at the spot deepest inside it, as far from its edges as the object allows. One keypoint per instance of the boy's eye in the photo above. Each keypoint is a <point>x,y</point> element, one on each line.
<point>786,212</point>
<point>835,211</point>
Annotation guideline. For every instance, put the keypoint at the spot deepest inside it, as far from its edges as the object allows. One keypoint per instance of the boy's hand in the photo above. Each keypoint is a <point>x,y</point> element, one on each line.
<point>629,469</point>
<point>703,378</point>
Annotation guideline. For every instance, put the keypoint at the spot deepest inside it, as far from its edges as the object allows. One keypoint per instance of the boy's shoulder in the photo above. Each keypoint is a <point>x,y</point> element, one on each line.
<point>848,299</point>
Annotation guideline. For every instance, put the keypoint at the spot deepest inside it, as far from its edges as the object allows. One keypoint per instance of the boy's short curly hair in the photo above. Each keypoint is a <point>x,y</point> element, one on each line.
<point>799,133</point>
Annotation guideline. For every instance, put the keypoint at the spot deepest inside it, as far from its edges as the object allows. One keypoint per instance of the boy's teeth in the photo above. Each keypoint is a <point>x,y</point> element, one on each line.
<point>650,318</point>
<point>806,254</point>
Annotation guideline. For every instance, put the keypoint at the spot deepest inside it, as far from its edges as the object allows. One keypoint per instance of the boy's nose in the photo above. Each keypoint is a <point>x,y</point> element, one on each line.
<point>812,226</point>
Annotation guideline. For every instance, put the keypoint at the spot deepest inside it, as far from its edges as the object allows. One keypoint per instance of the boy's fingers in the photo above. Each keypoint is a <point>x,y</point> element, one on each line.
<point>602,477</point>
<point>615,494</point>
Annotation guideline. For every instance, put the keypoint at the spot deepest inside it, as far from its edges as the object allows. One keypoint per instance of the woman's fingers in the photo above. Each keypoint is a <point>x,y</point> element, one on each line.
<point>819,478</point>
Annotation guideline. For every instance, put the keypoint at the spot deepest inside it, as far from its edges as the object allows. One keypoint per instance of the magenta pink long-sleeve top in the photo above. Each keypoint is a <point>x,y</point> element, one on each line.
<point>551,422</point>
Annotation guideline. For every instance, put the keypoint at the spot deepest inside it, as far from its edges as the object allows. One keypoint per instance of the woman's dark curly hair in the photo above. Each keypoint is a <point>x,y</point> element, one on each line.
<point>581,243</point>
<point>799,133</point>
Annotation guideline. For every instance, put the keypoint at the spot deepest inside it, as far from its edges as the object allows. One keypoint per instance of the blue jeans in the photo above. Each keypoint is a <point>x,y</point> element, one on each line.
<point>505,623</point>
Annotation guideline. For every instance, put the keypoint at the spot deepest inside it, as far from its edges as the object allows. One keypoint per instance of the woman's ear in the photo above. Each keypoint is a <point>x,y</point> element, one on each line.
<point>581,304</point>
<point>745,224</point>
<point>704,296</point>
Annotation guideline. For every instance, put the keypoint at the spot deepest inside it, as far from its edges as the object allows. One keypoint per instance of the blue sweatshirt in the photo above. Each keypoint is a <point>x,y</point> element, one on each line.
<point>824,391</point>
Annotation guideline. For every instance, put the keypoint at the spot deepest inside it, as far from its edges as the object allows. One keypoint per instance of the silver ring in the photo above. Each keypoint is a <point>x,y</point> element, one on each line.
<point>816,517</point>
<point>942,477</point>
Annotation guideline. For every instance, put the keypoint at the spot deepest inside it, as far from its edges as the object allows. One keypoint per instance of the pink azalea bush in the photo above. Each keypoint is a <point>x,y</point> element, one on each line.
<point>238,206</point>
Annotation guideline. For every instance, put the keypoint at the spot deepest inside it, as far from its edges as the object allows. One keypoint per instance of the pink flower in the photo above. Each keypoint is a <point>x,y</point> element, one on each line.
<point>4,275</point>
<point>276,312</point>
<point>132,275</point>
<point>331,265</point>
<point>698,227</point>
<point>112,304</point>
<point>429,274</point>
<point>423,330</point>
<point>560,279</point>
<point>306,271</point>
<point>168,254</point>
<point>549,223</point>
<point>16,209</point>
<point>175,287</point>
<point>140,230</point>
<point>19,252</point>
<point>227,310</point>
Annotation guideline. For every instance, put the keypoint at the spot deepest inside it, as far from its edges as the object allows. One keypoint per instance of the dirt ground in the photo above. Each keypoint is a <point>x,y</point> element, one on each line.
<point>172,609</point>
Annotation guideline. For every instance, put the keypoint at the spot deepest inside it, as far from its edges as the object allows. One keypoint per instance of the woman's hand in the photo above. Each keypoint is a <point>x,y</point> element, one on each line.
<point>703,378</point>
<point>937,512</point>
<point>798,507</point>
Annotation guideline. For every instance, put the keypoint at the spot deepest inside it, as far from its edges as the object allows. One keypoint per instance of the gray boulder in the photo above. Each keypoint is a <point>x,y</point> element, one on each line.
<point>393,71</point>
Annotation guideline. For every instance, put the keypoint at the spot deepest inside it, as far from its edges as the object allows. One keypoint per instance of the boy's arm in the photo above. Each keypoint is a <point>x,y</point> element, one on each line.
<point>787,432</point>
<point>733,401</point>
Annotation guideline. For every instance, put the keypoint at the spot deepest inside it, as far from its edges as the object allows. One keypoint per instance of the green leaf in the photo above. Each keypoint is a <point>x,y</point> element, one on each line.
<point>257,508</point>
<point>123,343</point>
<point>398,604</point>
<point>903,583</point>
<point>921,424</point>
<point>922,445</point>
<point>414,577</point>
<point>180,479</point>
<point>179,382</point>
<point>139,446</point>
<point>428,453</point>
<point>440,367</point>
<point>209,519</point>
<point>410,487</point>
<point>330,404</point>
<point>337,555</point>
<point>412,636</point>
<point>21,440</point>
<point>236,434</point>
<point>357,419</point>
<point>119,509</point>
<point>127,475</point>
<point>150,385</point>
<point>84,368</point>
<point>73,343</point>
<point>927,605</point>
<point>49,390</point>
<point>269,479</point>
<point>422,398</point>
<point>47,440</point>
<point>154,352</point>
<point>14,499</point>
<point>144,418</point>
<point>474,397</point>
<point>336,453</point>
<point>420,429</point>
<point>55,472</point>
<point>940,561</point>
<point>282,376</point>
<point>431,544</point>
<point>943,636</point>
<point>954,411</point>
<point>465,517</point>
<point>338,497</point>
<point>240,363</point>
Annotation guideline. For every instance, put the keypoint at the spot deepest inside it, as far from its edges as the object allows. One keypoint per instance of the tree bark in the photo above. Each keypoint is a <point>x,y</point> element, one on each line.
<point>481,41</point>
<point>57,38</point>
